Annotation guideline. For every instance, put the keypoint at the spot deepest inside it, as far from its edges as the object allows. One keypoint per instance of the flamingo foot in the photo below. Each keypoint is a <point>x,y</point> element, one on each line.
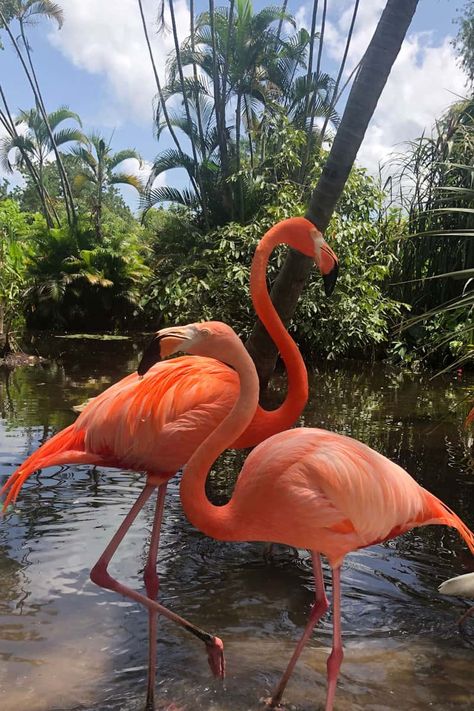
<point>215,657</point>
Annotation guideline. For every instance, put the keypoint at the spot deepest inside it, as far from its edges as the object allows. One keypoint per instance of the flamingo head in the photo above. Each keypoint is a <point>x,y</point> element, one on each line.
<point>302,235</point>
<point>212,339</point>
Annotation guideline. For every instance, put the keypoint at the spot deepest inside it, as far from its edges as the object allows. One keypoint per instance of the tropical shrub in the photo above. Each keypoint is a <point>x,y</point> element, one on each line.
<point>78,284</point>
<point>204,276</point>
<point>16,231</point>
<point>436,260</point>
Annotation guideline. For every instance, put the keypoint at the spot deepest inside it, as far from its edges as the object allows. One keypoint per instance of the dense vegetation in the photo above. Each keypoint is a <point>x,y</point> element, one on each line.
<point>246,106</point>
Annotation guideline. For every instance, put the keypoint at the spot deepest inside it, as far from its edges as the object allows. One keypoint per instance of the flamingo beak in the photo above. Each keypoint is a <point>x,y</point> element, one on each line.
<point>329,268</point>
<point>329,280</point>
<point>161,346</point>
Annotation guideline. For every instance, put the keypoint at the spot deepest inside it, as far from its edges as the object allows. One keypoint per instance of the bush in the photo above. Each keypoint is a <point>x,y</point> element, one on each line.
<point>201,277</point>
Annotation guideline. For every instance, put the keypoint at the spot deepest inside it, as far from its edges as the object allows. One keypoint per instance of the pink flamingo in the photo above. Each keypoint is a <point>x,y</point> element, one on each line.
<point>307,488</point>
<point>155,425</point>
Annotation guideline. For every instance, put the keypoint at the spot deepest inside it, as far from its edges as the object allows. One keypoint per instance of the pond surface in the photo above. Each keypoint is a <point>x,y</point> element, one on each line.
<point>66,644</point>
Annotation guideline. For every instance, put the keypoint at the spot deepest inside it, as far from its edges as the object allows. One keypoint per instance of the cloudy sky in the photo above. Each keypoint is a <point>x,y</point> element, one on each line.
<point>98,65</point>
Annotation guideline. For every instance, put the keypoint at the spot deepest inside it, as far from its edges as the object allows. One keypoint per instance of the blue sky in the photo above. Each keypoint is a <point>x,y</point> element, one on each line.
<point>97,65</point>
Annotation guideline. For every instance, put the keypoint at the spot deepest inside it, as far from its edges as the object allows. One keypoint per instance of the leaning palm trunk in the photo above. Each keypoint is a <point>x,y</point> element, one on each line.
<point>366,90</point>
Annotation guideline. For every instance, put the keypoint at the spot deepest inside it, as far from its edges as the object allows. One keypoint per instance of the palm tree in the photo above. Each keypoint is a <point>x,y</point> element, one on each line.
<point>365,93</point>
<point>244,66</point>
<point>98,164</point>
<point>8,123</point>
<point>27,12</point>
<point>34,146</point>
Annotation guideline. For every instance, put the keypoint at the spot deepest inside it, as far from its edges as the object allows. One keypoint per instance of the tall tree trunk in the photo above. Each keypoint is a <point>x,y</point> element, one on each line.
<point>332,103</point>
<point>68,197</point>
<point>310,56</point>
<point>201,192</point>
<point>159,88</point>
<point>365,93</point>
<point>238,119</point>
<point>227,192</point>
<point>196,93</point>
<point>40,106</point>
<point>9,125</point>
<point>312,106</point>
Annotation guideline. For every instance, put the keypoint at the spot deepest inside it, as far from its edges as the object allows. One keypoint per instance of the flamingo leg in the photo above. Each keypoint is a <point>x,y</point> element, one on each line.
<point>335,658</point>
<point>152,584</point>
<point>100,576</point>
<point>319,608</point>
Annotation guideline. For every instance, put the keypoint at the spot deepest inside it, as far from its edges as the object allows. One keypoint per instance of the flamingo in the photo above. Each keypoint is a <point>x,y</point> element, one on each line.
<point>307,488</point>
<point>154,425</point>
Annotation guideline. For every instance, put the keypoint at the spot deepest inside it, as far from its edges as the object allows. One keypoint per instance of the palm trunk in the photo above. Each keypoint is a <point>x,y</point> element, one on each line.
<point>9,125</point>
<point>339,75</point>
<point>311,53</point>
<point>247,118</point>
<point>365,93</point>
<point>200,191</point>
<point>222,132</point>
<point>68,198</point>
<point>160,90</point>
<point>309,141</point>
<point>196,94</point>
<point>238,118</point>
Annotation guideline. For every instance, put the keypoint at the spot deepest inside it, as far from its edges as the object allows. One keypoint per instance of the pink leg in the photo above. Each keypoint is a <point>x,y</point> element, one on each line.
<point>152,584</point>
<point>335,658</point>
<point>100,576</point>
<point>320,606</point>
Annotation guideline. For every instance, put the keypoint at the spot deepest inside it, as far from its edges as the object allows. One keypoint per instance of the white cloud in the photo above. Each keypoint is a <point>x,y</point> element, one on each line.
<point>424,81</point>
<point>107,38</point>
<point>132,166</point>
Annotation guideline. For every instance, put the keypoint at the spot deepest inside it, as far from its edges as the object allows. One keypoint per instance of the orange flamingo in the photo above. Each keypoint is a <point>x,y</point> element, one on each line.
<point>307,488</point>
<point>155,425</point>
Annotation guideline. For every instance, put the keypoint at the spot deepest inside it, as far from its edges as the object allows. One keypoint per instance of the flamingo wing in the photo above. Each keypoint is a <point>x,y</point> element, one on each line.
<point>312,488</point>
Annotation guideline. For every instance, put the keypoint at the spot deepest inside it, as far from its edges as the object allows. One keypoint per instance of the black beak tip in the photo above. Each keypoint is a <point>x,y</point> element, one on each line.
<point>330,279</point>
<point>151,356</point>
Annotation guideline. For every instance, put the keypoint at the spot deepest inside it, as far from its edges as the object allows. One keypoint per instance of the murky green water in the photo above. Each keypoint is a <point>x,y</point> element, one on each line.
<point>66,644</point>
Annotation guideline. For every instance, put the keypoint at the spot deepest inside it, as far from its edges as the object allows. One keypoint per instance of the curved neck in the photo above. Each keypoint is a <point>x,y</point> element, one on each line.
<point>297,394</point>
<point>216,521</point>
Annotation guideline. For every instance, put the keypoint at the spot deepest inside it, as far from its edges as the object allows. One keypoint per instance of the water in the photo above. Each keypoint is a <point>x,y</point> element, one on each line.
<point>67,645</point>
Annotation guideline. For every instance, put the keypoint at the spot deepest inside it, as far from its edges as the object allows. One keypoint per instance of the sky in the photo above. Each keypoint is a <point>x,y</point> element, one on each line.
<point>98,65</point>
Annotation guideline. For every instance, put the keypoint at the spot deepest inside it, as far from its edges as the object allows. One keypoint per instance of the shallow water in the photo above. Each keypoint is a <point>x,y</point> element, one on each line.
<point>66,644</point>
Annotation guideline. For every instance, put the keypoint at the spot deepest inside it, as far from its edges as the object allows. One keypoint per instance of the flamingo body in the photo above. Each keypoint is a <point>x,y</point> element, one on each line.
<point>315,489</point>
<point>155,425</point>
<point>307,488</point>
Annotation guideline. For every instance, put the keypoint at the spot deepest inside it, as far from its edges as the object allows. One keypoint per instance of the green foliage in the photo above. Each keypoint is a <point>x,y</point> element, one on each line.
<point>436,259</point>
<point>16,230</point>
<point>78,283</point>
<point>247,75</point>
<point>464,42</point>
<point>204,276</point>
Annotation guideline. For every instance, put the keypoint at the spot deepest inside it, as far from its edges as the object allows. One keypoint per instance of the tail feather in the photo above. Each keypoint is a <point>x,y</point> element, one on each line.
<point>66,447</point>
<point>444,515</point>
